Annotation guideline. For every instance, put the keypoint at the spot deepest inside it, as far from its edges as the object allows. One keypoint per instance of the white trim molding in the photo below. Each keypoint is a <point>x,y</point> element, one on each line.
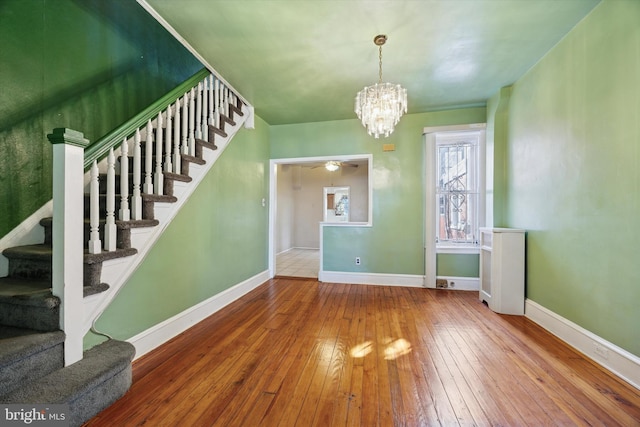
<point>431,249</point>
<point>615,359</point>
<point>409,280</point>
<point>461,283</point>
<point>159,334</point>
<point>273,198</point>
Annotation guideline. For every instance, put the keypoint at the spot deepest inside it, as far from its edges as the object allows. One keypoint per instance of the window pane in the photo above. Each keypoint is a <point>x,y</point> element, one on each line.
<point>457,219</point>
<point>457,192</point>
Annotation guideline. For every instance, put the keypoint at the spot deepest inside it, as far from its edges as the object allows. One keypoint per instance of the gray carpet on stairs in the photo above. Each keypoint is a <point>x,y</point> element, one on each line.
<point>28,305</point>
<point>26,355</point>
<point>88,386</point>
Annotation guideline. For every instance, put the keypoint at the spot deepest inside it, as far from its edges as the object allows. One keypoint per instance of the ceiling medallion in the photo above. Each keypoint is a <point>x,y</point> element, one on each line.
<point>381,105</point>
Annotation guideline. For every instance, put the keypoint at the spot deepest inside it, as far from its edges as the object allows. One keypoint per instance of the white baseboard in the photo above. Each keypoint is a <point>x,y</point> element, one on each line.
<point>371,278</point>
<point>159,334</point>
<point>615,359</point>
<point>462,283</point>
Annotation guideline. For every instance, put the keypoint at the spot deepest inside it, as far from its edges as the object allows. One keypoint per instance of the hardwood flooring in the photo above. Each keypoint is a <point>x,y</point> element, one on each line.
<point>296,352</point>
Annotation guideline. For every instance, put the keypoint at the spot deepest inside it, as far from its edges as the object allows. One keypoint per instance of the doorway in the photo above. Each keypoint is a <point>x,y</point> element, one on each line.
<point>298,205</point>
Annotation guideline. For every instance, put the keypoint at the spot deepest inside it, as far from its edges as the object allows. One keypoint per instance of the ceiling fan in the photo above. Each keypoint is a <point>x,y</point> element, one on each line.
<point>333,165</point>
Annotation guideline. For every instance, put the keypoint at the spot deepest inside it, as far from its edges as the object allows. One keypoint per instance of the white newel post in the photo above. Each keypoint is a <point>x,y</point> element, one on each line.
<point>68,246</point>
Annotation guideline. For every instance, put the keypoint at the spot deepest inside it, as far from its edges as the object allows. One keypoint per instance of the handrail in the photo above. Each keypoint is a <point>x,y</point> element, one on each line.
<point>101,147</point>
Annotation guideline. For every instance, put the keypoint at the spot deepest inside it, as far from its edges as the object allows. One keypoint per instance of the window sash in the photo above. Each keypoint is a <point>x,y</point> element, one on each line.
<point>457,190</point>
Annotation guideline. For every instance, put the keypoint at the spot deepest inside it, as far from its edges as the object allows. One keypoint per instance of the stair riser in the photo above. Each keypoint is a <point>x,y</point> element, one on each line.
<point>29,317</point>
<point>30,368</point>
<point>30,269</point>
<point>91,274</point>
<point>41,270</point>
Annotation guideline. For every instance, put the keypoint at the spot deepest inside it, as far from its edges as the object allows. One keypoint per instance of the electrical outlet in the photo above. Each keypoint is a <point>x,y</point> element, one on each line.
<point>601,351</point>
<point>357,260</point>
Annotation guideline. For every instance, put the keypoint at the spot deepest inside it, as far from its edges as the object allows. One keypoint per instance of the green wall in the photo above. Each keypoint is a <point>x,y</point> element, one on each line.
<point>87,65</point>
<point>395,242</point>
<point>574,174</point>
<point>458,265</point>
<point>217,240</point>
<point>496,157</point>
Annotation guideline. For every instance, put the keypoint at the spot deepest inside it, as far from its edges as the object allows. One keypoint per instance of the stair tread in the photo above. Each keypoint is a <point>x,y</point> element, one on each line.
<point>84,373</point>
<point>35,252</point>
<point>161,198</point>
<point>217,131</point>
<point>93,290</point>
<point>194,159</point>
<point>106,256</point>
<point>177,177</point>
<point>207,144</point>
<point>17,343</point>
<point>44,252</point>
<point>90,385</point>
<point>132,223</point>
<point>237,110</point>
<point>137,223</point>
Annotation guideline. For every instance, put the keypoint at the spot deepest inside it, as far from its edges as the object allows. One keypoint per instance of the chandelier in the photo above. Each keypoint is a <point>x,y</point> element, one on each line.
<point>381,105</point>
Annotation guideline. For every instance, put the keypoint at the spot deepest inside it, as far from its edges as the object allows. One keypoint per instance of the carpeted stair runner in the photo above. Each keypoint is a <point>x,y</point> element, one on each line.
<point>26,355</point>
<point>87,386</point>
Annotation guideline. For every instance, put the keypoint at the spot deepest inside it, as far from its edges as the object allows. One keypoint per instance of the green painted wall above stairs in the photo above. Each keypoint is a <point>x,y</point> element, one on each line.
<point>87,65</point>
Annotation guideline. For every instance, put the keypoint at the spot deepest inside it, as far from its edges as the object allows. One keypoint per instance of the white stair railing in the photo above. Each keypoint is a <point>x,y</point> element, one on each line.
<point>175,131</point>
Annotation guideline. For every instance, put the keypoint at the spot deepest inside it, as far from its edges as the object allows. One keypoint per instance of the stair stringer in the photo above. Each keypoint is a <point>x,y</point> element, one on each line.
<point>116,272</point>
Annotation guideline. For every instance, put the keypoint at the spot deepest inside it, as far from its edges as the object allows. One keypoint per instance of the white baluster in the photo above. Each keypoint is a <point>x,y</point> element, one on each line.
<point>210,120</point>
<point>125,213</point>
<point>177,163</point>
<point>168,145</point>
<point>192,112</point>
<point>158,173</point>
<point>199,111</point>
<point>205,109</point>
<point>94,208</point>
<point>184,143</point>
<point>110,225</point>
<point>222,94</point>
<point>226,101</point>
<point>148,160</point>
<point>136,198</point>
<point>217,97</point>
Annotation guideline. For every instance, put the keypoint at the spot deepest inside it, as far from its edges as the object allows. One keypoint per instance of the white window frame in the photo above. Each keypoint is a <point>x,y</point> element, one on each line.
<point>431,216</point>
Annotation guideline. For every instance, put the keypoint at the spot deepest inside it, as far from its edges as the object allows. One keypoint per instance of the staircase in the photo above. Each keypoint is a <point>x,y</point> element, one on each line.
<point>133,193</point>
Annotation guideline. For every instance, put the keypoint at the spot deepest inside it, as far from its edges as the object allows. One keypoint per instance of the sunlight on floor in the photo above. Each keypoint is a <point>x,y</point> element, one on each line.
<point>392,348</point>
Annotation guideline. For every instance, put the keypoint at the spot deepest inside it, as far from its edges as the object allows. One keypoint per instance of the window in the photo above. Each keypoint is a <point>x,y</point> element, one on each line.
<point>458,189</point>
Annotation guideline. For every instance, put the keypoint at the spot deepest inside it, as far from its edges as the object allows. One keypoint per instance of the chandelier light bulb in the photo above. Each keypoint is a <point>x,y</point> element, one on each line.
<point>332,165</point>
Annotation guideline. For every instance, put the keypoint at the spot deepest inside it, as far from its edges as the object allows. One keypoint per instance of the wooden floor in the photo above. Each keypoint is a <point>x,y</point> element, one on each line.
<point>303,353</point>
